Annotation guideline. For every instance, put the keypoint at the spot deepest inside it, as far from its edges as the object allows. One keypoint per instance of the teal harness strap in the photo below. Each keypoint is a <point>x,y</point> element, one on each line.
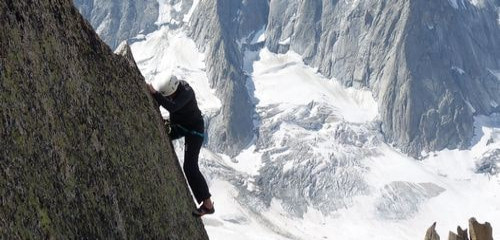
<point>191,131</point>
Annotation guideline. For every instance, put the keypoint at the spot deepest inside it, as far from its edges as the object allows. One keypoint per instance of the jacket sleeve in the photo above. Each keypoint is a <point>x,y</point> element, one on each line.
<point>173,105</point>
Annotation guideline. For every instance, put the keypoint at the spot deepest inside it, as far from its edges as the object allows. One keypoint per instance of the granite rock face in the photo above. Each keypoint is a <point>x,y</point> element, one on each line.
<point>214,29</point>
<point>119,20</point>
<point>429,63</point>
<point>84,153</point>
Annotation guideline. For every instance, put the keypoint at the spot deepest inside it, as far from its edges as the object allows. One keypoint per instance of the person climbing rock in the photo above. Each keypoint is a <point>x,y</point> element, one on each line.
<point>186,121</point>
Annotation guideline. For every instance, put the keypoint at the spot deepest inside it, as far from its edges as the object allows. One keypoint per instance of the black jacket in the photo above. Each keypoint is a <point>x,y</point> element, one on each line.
<point>182,107</point>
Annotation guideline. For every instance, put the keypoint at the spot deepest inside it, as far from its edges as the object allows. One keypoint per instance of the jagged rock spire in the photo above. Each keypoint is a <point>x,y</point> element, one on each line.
<point>460,235</point>
<point>477,232</point>
<point>480,231</point>
<point>431,233</point>
<point>124,50</point>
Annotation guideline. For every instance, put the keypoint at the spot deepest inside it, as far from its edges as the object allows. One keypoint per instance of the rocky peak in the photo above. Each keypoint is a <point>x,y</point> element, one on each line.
<point>460,235</point>
<point>431,233</point>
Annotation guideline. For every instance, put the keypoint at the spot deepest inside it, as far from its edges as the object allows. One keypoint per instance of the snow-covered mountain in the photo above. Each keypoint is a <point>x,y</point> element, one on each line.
<point>313,106</point>
<point>430,64</point>
<point>116,21</point>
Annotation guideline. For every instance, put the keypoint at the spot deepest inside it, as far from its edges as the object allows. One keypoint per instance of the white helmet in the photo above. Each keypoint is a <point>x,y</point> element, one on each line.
<point>168,87</point>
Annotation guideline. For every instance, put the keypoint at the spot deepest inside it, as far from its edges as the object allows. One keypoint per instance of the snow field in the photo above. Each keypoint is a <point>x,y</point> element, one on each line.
<point>285,79</point>
<point>466,193</point>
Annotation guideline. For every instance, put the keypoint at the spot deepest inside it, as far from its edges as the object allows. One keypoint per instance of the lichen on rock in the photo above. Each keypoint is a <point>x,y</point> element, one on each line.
<point>84,153</point>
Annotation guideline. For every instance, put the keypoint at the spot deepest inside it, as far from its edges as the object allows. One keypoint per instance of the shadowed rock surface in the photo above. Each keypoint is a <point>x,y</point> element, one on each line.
<point>84,154</point>
<point>215,32</point>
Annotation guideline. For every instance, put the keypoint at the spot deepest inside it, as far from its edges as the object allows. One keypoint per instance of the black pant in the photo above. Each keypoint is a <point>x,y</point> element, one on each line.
<point>192,146</point>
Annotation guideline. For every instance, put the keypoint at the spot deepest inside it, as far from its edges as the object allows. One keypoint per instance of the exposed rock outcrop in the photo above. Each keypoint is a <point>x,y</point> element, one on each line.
<point>480,231</point>
<point>477,232</point>
<point>431,233</point>
<point>460,235</point>
<point>84,153</point>
<point>124,50</point>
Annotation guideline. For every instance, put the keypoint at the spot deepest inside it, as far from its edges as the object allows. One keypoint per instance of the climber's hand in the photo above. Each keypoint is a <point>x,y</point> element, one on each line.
<point>151,89</point>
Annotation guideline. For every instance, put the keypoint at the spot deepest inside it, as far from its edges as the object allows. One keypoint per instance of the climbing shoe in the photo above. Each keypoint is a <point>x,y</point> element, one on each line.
<point>202,210</point>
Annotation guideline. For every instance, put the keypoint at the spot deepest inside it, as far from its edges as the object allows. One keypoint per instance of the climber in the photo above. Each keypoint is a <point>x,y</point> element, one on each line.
<point>186,121</point>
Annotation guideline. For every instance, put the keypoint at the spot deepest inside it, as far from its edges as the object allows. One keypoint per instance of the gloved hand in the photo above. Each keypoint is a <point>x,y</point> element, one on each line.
<point>168,128</point>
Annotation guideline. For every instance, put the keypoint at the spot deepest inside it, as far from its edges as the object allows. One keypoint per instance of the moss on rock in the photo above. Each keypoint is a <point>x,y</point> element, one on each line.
<point>83,148</point>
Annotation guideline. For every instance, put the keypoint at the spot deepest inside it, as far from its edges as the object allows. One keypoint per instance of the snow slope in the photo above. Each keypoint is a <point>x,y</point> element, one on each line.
<point>299,85</point>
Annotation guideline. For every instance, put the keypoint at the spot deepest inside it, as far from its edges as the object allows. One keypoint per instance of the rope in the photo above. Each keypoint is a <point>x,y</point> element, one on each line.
<point>191,131</point>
